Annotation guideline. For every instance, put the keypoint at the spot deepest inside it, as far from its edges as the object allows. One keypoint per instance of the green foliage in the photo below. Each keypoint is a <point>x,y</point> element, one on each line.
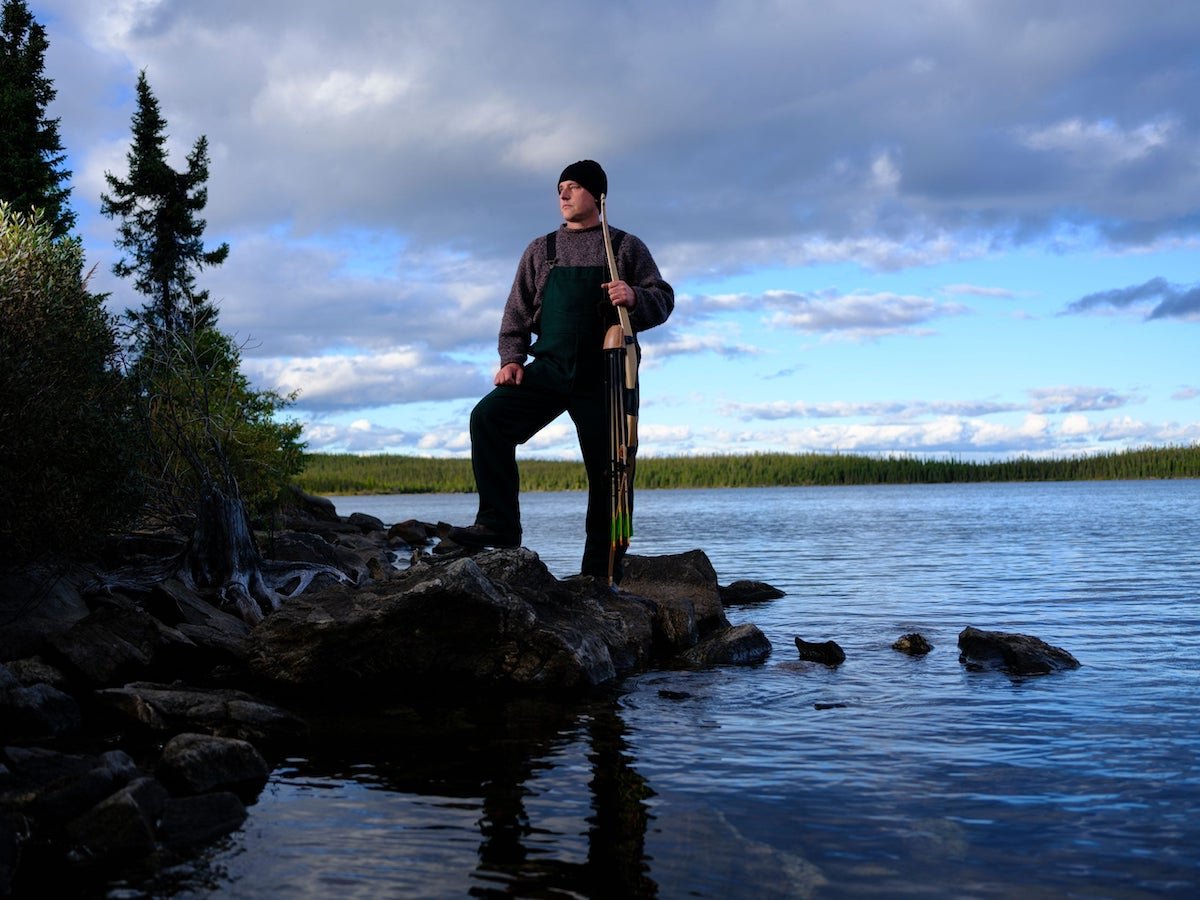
<point>387,474</point>
<point>158,209</point>
<point>206,425</point>
<point>31,152</point>
<point>66,472</point>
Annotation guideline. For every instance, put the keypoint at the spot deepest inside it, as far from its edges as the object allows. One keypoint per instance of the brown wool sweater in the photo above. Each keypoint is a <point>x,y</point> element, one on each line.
<point>635,265</point>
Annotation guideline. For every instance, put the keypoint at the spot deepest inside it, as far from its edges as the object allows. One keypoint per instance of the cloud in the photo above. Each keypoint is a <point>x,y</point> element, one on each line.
<point>857,316</point>
<point>878,410</point>
<point>1077,399</point>
<point>1156,299</point>
<point>353,382</point>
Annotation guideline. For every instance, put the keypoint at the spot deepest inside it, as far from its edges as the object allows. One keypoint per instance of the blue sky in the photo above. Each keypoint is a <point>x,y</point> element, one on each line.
<point>929,228</point>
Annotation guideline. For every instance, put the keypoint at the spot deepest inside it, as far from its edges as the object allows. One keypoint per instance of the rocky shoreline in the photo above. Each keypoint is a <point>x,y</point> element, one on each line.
<point>137,718</point>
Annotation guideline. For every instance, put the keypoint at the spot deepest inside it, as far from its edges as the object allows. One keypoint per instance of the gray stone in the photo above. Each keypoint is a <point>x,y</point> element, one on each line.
<point>190,821</point>
<point>913,644</point>
<point>174,709</point>
<point>1016,654</point>
<point>736,645</point>
<point>827,653</point>
<point>201,763</point>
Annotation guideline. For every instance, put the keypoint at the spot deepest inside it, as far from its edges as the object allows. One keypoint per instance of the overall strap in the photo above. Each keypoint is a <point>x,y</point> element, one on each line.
<point>552,244</point>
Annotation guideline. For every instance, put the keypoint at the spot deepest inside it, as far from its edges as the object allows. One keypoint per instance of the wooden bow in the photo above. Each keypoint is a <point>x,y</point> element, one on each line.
<point>621,355</point>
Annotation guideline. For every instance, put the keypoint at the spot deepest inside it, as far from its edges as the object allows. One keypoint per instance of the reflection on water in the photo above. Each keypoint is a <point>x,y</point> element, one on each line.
<point>889,775</point>
<point>515,798</point>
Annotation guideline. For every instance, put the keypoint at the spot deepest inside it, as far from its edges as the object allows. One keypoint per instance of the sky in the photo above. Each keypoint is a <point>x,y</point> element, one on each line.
<point>901,227</point>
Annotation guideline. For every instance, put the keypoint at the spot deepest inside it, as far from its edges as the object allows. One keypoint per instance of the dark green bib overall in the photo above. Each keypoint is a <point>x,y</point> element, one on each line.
<point>568,354</point>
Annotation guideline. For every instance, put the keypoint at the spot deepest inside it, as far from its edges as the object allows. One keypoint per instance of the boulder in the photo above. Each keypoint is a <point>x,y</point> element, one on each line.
<point>741,593</point>
<point>190,821</point>
<point>412,532</point>
<point>37,710</point>
<point>737,645</point>
<point>913,644</point>
<point>174,709</point>
<point>35,604</point>
<point>679,577</point>
<point>827,653</point>
<point>497,619</point>
<point>201,763</point>
<point>121,825</point>
<point>116,642</point>
<point>1016,654</point>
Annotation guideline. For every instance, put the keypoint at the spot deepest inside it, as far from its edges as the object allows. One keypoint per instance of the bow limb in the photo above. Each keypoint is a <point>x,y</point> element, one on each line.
<point>631,353</point>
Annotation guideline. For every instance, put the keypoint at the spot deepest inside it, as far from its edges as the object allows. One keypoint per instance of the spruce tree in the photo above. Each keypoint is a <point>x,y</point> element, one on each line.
<point>160,228</point>
<point>31,153</point>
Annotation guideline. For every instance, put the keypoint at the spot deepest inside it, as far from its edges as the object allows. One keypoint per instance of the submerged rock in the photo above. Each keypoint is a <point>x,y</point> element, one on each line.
<point>828,653</point>
<point>913,644</point>
<point>746,592</point>
<point>1016,654</point>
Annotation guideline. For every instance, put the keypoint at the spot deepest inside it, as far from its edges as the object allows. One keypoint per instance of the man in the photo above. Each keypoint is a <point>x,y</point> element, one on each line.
<point>561,293</point>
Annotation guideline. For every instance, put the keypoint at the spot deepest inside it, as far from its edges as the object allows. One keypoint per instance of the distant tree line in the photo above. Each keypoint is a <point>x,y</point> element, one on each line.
<point>344,473</point>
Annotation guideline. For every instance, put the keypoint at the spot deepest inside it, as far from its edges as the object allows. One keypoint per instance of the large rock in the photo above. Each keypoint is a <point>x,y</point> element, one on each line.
<point>35,604</point>
<point>173,709</point>
<point>37,710</point>
<point>1016,654</point>
<point>201,763</point>
<point>687,577</point>
<point>493,620</point>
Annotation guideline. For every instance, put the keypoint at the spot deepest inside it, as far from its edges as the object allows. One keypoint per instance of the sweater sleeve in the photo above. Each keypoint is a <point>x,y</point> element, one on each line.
<point>655,298</point>
<point>521,310</point>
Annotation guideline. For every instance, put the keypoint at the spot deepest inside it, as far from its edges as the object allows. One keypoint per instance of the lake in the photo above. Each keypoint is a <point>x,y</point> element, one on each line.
<point>889,775</point>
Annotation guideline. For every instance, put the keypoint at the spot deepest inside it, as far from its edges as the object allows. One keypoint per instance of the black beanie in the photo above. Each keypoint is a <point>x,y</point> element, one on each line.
<point>588,174</point>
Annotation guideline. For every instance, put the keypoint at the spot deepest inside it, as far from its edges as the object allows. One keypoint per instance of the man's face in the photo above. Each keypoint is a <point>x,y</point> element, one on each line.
<point>577,203</point>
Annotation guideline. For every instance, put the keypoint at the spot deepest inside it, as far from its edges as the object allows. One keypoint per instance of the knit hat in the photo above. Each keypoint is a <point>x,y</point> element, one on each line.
<point>588,175</point>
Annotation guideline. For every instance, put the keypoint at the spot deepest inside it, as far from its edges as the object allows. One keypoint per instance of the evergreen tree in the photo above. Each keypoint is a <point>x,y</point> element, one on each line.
<point>158,210</point>
<point>31,153</point>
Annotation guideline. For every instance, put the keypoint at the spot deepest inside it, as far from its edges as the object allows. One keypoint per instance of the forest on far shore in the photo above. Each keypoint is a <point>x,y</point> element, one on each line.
<point>328,474</point>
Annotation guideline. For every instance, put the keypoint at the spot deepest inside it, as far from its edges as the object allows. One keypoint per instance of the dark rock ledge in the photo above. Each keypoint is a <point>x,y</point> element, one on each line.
<point>137,717</point>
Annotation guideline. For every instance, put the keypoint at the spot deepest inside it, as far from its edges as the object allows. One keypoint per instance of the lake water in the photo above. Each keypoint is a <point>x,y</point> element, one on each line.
<point>887,776</point>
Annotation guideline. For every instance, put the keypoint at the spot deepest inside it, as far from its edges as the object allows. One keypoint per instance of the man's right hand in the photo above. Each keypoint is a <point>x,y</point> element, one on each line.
<point>512,373</point>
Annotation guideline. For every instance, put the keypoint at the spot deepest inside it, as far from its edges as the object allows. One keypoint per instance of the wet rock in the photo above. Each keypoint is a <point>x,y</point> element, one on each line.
<point>736,645</point>
<point>913,644</point>
<point>174,709</point>
<point>37,710</point>
<point>122,824</point>
<point>190,821</point>
<point>682,576</point>
<point>201,763</point>
<point>827,653</point>
<point>741,593</point>
<point>1016,654</point>
<point>496,619</point>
